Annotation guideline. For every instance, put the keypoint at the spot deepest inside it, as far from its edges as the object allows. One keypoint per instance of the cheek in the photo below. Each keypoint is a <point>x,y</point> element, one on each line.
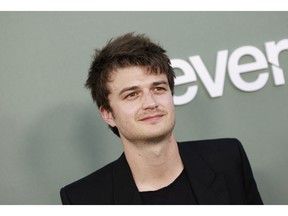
<point>125,114</point>
<point>168,102</point>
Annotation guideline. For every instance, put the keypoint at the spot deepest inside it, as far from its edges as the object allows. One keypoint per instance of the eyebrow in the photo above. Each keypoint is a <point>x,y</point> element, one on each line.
<point>131,88</point>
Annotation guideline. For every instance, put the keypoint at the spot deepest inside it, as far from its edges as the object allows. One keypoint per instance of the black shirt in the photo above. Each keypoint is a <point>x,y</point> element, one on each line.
<point>179,192</point>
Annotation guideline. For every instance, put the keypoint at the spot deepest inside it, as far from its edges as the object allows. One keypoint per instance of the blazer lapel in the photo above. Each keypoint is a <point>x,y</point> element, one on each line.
<point>125,189</point>
<point>208,186</point>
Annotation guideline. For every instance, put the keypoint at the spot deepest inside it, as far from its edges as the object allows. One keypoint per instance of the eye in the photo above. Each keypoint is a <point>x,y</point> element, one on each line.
<point>159,89</point>
<point>131,95</point>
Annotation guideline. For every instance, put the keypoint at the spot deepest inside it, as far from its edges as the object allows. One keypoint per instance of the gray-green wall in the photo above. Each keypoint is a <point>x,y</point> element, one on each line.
<point>51,133</point>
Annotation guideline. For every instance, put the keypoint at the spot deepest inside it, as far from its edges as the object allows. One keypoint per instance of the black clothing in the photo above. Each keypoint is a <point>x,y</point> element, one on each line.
<point>179,192</point>
<point>218,171</point>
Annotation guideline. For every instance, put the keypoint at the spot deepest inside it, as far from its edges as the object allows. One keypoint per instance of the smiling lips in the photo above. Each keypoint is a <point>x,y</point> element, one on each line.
<point>152,117</point>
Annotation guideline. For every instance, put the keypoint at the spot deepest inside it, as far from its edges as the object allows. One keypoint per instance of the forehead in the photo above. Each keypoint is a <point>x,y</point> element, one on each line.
<point>139,76</point>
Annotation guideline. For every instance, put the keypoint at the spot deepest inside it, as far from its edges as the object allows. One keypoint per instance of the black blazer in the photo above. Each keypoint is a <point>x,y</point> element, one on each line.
<point>218,170</point>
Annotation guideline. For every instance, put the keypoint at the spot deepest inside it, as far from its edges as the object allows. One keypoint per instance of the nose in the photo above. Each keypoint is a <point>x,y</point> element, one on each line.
<point>149,101</point>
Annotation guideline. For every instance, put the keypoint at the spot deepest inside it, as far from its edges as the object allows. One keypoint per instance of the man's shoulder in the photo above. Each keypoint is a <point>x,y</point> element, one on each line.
<point>211,144</point>
<point>101,175</point>
<point>216,152</point>
<point>93,186</point>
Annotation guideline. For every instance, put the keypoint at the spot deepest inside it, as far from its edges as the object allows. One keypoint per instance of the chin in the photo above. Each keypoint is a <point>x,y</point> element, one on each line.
<point>155,137</point>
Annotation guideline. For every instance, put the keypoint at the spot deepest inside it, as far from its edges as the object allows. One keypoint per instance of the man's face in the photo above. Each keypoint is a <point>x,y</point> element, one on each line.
<point>142,105</point>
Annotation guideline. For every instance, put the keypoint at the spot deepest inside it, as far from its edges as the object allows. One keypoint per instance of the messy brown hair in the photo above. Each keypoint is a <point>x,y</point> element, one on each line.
<point>125,51</point>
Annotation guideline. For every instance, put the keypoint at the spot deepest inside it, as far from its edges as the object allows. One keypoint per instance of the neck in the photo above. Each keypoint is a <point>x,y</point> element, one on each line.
<point>154,165</point>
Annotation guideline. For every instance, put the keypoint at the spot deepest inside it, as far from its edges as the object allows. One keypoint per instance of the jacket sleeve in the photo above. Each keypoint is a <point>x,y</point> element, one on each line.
<point>251,191</point>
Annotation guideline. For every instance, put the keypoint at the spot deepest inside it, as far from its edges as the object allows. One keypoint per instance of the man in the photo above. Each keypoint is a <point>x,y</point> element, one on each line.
<point>132,82</point>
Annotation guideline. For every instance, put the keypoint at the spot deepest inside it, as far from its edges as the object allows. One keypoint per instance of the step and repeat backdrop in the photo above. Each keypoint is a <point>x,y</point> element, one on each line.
<point>232,72</point>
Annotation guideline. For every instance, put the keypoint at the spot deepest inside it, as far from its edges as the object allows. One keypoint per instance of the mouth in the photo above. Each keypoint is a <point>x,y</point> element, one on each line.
<point>151,117</point>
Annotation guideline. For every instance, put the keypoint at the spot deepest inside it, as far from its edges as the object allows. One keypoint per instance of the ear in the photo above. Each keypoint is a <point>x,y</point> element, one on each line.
<point>107,116</point>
